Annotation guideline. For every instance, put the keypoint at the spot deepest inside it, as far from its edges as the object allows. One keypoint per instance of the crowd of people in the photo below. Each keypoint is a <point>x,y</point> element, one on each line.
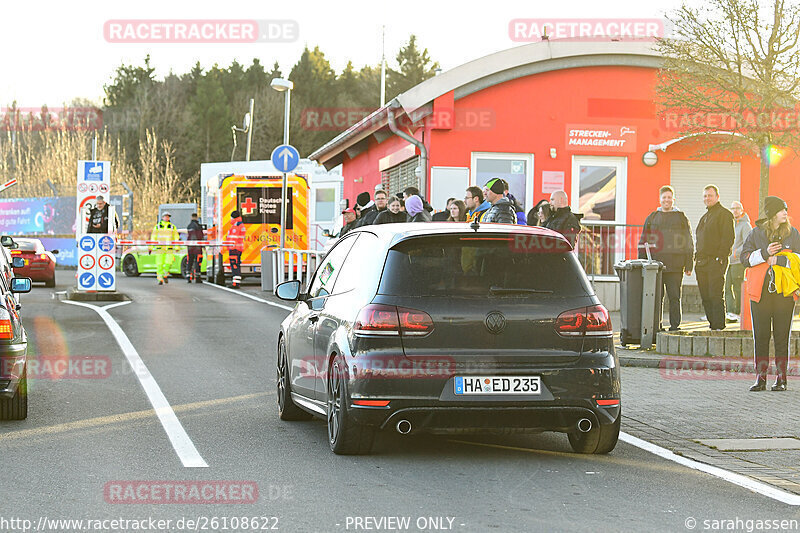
<point>491,203</point>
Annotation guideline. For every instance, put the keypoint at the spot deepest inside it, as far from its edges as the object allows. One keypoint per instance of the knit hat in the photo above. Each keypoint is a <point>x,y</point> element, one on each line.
<point>773,205</point>
<point>496,185</point>
<point>413,205</point>
<point>362,199</point>
<point>235,214</point>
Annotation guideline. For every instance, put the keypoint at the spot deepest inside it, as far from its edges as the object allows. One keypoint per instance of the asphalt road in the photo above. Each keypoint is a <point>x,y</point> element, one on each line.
<point>212,355</point>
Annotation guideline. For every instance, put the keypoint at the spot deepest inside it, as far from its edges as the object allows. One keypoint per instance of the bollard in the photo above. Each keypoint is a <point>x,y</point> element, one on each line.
<point>266,271</point>
<point>745,320</point>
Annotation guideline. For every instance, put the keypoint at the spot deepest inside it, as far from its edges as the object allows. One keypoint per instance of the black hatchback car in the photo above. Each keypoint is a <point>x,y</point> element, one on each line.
<point>447,327</point>
<point>13,339</point>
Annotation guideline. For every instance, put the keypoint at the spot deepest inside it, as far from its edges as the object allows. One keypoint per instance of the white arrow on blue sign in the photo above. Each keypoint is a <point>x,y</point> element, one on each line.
<point>86,280</point>
<point>285,158</point>
<point>87,243</point>
<point>105,280</point>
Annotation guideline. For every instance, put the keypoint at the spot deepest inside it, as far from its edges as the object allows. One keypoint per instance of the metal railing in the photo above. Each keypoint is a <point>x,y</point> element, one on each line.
<point>601,244</point>
<point>289,264</point>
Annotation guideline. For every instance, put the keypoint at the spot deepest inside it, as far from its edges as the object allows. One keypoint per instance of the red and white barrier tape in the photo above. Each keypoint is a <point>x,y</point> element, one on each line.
<point>175,243</point>
<point>7,184</point>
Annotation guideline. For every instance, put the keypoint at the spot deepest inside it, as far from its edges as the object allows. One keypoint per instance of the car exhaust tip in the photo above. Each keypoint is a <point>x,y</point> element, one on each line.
<point>404,427</point>
<point>584,425</point>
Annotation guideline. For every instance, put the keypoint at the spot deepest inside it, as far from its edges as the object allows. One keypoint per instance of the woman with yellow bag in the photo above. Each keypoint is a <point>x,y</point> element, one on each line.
<point>770,254</point>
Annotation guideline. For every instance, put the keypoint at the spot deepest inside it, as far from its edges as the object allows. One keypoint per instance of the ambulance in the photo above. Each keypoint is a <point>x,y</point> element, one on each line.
<point>258,198</point>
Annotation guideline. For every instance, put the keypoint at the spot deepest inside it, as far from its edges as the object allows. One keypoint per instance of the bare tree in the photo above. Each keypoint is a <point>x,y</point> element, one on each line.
<point>731,77</point>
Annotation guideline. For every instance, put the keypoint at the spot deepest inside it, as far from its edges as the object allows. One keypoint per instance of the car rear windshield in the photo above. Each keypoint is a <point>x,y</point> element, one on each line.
<point>26,246</point>
<point>481,265</point>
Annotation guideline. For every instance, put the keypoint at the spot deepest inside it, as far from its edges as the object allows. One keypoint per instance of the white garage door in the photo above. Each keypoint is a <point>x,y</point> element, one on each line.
<point>688,178</point>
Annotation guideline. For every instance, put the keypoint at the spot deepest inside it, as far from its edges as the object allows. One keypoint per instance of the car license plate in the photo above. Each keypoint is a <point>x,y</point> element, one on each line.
<point>498,385</point>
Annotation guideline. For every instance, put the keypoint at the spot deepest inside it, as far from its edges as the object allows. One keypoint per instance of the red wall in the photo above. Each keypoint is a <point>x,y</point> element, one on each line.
<point>531,114</point>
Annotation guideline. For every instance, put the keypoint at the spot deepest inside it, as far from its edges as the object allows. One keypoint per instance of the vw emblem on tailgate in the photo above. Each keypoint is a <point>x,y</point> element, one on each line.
<point>495,322</point>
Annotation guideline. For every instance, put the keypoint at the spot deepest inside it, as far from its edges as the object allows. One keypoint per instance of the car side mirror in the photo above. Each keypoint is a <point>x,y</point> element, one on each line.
<point>7,241</point>
<point>19,285</point>
<point>288,290</point>
<point>17,262</point>
<point>53,251</point>
<point>326,233</point>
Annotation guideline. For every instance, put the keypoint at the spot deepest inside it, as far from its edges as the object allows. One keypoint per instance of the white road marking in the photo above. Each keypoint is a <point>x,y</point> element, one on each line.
<point>180,440</point>
<point>731,477</point>
<point>246,295</point>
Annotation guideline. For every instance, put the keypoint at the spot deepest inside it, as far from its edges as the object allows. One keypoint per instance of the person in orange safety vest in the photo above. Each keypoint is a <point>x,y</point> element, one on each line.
<point>236,234</point>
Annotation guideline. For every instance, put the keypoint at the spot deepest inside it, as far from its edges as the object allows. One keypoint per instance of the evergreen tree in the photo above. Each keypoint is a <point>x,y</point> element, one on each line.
<point>414,68</point>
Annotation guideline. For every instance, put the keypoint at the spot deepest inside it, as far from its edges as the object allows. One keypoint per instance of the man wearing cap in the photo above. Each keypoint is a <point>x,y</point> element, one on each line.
<point>502,210</point>
<point>236,234</point>
<point>165,231</point>
<point>562,219</point>
<point>350,221</point>
<point>99,217</point>
<point>714,240</point>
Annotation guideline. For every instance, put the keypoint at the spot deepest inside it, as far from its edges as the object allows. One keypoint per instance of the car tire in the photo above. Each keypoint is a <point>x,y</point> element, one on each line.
<point>287,409</point>
<point>185,267</point>
<point>16,407</point>
<point>599,440</point>
<point>344,436</point>
<point>130,267</point>
<point>51,282</point>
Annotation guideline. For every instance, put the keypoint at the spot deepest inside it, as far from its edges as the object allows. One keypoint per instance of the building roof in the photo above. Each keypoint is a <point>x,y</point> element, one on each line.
<point>487,71</point>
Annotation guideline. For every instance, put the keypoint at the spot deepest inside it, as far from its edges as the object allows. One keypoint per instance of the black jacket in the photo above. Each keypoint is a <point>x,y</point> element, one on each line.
<point>501,212</point>
<point>423,216</point>
<point>759,240</point>
<point>670,238</point>
<point>714,235</point>
<point>194,233</point>
<point>98,216</point>
<point>347,227</point>
<point>441,216</point>
<point>387,217</point>
<point>564,221</point>
<point>368,216</point>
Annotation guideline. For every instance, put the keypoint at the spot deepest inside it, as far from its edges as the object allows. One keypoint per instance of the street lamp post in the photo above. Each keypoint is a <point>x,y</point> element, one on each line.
<point>281,85</point>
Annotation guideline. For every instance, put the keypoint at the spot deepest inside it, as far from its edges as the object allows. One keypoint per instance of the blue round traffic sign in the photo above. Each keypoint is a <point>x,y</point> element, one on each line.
<point>105,280</point>
<point>285,158</point>
<point>86,280</point>
<point>86,243</point>
<point>105,243</point>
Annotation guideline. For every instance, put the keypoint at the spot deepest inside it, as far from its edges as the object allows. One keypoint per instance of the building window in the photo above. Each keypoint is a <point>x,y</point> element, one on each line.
<point>516,169</point>
<point>395,179</point>
<point>325,204</point>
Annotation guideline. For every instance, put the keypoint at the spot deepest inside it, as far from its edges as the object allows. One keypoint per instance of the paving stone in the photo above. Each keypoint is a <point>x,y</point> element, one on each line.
<point>673,344</point>
<point>686,343</point>
<point>733,347</point>
<point>661,342</point>
<point>729,445</point>
<point>747,347</point>
<point>716,346</point>
<point>700,346</point>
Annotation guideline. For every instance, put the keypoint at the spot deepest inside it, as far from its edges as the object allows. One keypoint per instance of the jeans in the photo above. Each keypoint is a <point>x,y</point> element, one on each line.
<point>672,282</point>
<point>711,282</point>
<point>772,317</point>
<point>733,288</point>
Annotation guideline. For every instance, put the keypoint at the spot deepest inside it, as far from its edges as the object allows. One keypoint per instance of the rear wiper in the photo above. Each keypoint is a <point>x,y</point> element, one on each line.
<point>517,290</point>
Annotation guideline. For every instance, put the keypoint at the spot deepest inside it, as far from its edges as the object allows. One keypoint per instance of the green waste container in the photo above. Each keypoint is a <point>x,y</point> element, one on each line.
<point>640,300</point>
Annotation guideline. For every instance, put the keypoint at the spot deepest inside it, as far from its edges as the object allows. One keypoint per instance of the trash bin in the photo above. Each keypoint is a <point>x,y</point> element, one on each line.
<point>640,300</point>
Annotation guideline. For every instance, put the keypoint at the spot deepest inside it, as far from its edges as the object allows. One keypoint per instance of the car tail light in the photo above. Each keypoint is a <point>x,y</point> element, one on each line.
<point>43,257</point>
<point>371,403</point>
<point>380,319</point>
<point>15,252</point>
<point>6,331</point>
<point>607,403</point>
<point>592,321</point>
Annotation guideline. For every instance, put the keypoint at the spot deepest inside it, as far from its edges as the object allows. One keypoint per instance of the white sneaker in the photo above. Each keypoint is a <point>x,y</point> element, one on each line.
<point>704,317</point>
<point>732,317</point>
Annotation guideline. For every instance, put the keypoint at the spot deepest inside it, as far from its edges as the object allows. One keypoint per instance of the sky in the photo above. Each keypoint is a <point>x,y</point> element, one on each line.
<point>53,52</point>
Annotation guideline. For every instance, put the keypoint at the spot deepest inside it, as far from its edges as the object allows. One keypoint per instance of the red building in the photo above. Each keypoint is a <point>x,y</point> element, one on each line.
<point>551,115</point>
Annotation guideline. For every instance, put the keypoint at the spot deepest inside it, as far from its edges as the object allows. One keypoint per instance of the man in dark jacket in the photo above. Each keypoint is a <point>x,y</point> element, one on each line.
<point>502,210</point>
<point>669,235</point>
<point>194,232</point>
<point>715,237</point>
<point>99,218</point>
<point>563,220</point>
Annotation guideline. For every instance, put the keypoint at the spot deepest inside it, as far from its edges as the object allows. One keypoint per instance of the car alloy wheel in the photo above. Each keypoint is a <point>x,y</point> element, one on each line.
<point>344,436</point>
<point>130,267</point>
<point>287,410</point>
<point>334,403</point>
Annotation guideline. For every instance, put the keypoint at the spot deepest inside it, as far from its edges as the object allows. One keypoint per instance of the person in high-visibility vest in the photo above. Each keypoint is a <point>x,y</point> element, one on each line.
<point>164,231</point>
<point>236,234</point>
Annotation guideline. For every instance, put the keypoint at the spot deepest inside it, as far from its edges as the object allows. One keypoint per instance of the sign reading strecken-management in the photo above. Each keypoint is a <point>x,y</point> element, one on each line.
<point>96,257</point>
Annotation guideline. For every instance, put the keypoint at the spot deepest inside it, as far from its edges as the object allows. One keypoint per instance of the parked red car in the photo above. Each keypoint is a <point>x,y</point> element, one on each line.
<point>40,265</point>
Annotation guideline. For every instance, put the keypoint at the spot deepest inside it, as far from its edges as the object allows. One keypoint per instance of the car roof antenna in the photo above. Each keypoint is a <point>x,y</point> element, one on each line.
<point>475,225</point>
